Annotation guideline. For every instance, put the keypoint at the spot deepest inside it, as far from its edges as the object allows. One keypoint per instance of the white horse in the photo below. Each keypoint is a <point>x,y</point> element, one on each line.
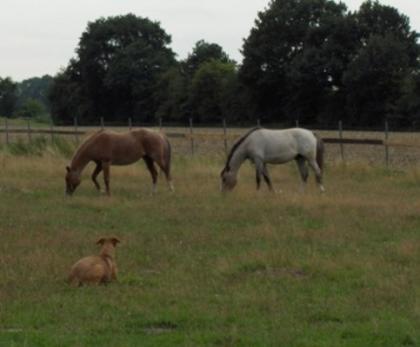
<point>264,146</point>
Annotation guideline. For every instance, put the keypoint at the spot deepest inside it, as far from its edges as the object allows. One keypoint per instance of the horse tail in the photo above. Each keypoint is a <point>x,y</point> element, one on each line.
<point>320,148</point>
<point>168,155</point>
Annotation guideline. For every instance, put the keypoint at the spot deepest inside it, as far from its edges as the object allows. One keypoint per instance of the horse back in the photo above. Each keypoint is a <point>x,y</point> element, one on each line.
<point>123,148</point>
<point>117,148</point>
<point>283,145</point>
<point>150,140</point>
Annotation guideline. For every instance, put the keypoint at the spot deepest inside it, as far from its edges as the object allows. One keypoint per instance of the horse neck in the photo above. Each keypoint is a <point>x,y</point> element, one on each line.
<point>238,157</point>
<point>79,161</point>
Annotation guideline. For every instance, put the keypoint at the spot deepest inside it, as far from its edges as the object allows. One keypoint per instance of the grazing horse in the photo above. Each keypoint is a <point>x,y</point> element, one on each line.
<point>106,148</point>
<point>262,146</point>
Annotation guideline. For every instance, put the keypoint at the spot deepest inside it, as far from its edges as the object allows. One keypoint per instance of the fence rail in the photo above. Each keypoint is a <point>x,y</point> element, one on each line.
<point>332,140</point>
<point>351,141</point>
<point>193,135</point>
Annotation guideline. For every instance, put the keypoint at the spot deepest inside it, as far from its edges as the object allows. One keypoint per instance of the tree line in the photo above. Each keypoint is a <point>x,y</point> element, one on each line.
<point>27,99</point>
<point>311,61</point>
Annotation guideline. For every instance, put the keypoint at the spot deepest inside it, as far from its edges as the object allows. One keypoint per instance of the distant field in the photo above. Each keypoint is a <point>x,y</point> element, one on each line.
<point>201,269</point>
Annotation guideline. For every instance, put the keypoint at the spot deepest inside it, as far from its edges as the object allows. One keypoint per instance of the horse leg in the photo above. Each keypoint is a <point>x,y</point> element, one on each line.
<point>258,171</point>
<point>167,171</point>
<point>267,178</point>
<point>106,168</point>
<point>318,173</point>
<point>169,180</point>
<point>258,177</point>
<point>261,169</point>
<point>303,170</point>
<point>95,174</point>
<point>152,170</point>
<point>168,177</point>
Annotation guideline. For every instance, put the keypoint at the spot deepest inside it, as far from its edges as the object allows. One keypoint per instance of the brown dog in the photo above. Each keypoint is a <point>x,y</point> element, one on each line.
<point>96,269</point>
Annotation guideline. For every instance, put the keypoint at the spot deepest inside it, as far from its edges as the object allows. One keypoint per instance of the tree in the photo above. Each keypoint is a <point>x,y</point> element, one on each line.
<point>32,108</point>
<point>381,78</point>
<point>119,61</point>
<point>66,97</point>
<point>171,95</point>
<point>315,61</point>
<point>209,94</point>
<point>8,97</point>
<point>287,57</point>
<point>179,87</point>
<point>375,19</point>
<point>374,79</point>
<point>35,88</point>
<point>408,105</point>
<point>202,53</point>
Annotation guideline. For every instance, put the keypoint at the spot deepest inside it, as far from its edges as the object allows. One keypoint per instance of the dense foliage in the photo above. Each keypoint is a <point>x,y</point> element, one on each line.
<point>119,62</point>
<point>307,60</point>
<point>314,61</point>
<point>28,99</point>
<point>8,97</point>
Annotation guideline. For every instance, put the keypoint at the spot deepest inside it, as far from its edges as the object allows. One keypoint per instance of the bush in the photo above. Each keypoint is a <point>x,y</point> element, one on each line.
<point>40,145</point>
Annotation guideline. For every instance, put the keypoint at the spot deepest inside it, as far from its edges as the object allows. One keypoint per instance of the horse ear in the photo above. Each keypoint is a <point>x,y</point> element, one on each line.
<point>68,168</point>
<point>101,241</point>
<point>115,240</point>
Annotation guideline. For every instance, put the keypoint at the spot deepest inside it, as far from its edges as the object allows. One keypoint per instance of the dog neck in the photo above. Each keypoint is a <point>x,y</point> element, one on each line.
<point>107,251</point>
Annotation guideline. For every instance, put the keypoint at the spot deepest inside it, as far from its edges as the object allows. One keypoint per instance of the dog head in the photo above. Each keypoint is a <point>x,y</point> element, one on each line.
<point>108,240</point>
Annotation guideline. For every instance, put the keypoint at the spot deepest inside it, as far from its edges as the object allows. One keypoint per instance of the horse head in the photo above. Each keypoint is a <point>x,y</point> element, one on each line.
<point>72,180</point>
<point>228,180</point>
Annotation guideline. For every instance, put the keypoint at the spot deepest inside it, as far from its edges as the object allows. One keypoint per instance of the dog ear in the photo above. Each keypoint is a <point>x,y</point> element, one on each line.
<point>101,241</point>
<point>68,168</point>
<point>115,240</point>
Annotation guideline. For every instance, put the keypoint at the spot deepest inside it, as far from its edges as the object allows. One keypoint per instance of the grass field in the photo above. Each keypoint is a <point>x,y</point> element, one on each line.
<point>201,269</point>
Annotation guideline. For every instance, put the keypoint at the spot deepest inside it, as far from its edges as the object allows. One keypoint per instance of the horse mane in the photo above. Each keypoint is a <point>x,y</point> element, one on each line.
<point>85,144</point>
<point>236,145</point>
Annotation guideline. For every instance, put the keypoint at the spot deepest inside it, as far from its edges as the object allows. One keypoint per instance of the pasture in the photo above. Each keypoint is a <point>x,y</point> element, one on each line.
<point>198,268</point>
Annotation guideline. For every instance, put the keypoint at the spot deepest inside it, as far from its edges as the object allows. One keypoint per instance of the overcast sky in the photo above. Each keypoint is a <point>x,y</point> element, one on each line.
<point>38,37</point>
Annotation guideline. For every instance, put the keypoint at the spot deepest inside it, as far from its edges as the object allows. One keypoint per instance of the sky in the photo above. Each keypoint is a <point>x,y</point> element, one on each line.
<point>39,37</point>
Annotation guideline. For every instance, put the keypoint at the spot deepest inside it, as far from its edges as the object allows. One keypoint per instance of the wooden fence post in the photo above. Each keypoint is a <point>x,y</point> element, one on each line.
<point>340,134</point>
<point>76,135</point>
<point>6,127</point>
<point>192,136</point>
<point>130,124</point>
<point>386,144</point>
<point>52,131</point>
<point>224,135</point>
<point>29,130</point>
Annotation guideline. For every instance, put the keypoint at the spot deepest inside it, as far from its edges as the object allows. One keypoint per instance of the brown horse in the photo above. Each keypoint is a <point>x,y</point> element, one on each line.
<point>106,148</point>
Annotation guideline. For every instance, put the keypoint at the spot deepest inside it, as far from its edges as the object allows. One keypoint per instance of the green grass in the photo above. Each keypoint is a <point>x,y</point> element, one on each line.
<point>39,145</point>
<point>201,269</point>
<point>22,122</point>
